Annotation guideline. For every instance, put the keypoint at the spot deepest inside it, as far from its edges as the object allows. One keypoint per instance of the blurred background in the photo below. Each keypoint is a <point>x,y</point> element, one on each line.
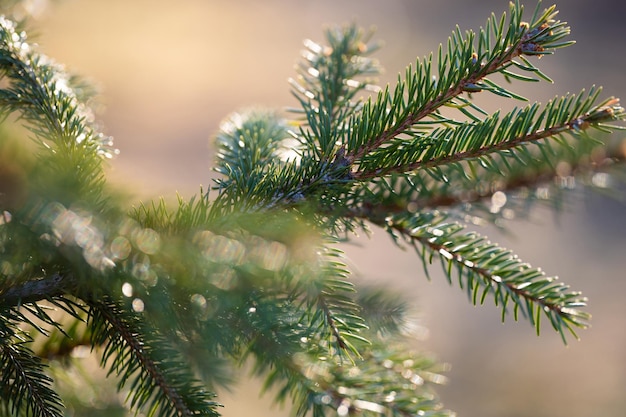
<point>168,72</point>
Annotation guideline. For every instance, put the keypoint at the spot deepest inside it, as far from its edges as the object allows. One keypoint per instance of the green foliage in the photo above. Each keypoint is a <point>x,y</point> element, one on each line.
<point>176,300</point>
<point>25,387</point>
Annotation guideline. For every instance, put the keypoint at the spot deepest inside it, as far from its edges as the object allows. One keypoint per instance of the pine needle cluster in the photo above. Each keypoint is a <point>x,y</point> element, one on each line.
<point>176,300</point>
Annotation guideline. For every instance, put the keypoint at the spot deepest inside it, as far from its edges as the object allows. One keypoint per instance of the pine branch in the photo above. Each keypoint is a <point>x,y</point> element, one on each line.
<point>328,86</point>
<point>247,141</point>
<point>275,177</point>
<point>254,160</point>
<point>24,386</point>
<point>466,190</point>
<point>463,68</point>
<point>160,378</point>
<point>41,91</point>
<point>484,268</point>
<point>412,376</point>
<point>61,344</point>
<point>507,136</point>
<point>252,273</point>
<point>317,383</point>
<point>69,168</point>
<point>390,137</point>
<point>386,361</point>
<point>334,308</point>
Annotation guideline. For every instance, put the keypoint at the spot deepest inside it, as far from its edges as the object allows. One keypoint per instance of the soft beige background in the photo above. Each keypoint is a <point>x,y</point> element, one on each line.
<point>169,71</point>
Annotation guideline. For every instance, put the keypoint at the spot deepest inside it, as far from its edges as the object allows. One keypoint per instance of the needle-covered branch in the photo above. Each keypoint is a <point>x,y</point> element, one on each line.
<point>462,68</point>
<point>329,83</point>
<point>43,93</point>
<point>483,268</point>
<point>159,377</point>
<point>505,137</point>
<point>25,388</point>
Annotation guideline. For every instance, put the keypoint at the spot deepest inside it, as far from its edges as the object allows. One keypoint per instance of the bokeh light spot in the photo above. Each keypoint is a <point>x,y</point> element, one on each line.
<point>147,240</point>
<point>127,289</point>
<point>138,305</point>
<point>120,248</point>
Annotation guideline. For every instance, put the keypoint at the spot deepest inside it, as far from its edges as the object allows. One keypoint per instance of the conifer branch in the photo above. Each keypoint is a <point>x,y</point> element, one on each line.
<point>466,189</point>
<point>458,192</point>
<point>341,313</point>
<point>462,69</point>
<point>484,268</point>
<point>317,383</point>
<point>70,160</point>
<point>328,86</point>
<point>332,325</point>
<point>161,381</point>
<point>42,92</point>
<point>500,136</point>
<point>24,386</point>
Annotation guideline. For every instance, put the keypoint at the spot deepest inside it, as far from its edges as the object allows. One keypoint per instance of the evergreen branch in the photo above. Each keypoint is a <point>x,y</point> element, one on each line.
<point>496,134</point>
<point>61,342</point>
<point>520,182</point>
<point>315,383</point>
<point>356,389</point>
<point>266,267</point>
<point>318,290</point>
<point>247,141</point>
<point>385,312</point>
<point>41,91</point>
<point>270,333</point>
<point>465,186</point>
<point>260,172</point>
<point>24,386</point>
<point>461,69</point>
<point>162,381</point>
<point>269,265</point>
<point>234,274</point>
<point>70,165</point>
<point>22,303</point>
<point>485,268</point>
<point>411,375</point>
<point>274,177</point>
<point>327,86</point>
<point>331,323</point>
<point>340,314</point>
